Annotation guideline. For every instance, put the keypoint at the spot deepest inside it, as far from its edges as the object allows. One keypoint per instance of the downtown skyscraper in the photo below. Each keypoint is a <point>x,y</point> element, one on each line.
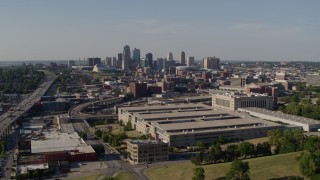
<point>136,57</point>
<point>182,58</point>
<point>126,58</point>
<point>170,56</point>
<point>149,58</point>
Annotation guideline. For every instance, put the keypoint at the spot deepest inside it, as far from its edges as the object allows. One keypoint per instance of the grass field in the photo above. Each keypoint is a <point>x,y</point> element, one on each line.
<point>116,129</point>
<point>92,177</point>
<point>260,168</point>
<point>124,176</point>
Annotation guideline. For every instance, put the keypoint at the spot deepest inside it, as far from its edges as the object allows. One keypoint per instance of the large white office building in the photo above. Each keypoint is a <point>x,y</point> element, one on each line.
<point>186,124</point>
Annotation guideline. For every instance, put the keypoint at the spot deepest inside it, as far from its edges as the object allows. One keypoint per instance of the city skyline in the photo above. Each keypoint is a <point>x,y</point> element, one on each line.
<point>246,30</point>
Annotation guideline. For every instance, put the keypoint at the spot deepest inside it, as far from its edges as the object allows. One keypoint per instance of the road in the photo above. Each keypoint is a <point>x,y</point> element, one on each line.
<point>111,157</point>
<point>11,142</point>
<point>76,112</point>
<point>11,116</point>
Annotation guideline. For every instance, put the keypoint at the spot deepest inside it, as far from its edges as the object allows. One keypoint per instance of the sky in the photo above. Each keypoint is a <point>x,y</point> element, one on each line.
<point>273,30</point>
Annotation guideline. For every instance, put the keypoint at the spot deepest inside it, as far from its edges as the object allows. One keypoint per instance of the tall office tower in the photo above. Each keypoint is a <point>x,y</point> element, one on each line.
<point>160,63</point>
<point>144,62</point>
<point>150,59</point>
<point>126,55</point>
<point>108,61</point>
<point>119,63</point>
<point>182,58</point>
<point>190,61</point>
<point>211,63</point>
<point>71,63</point>
<point>93,61</point>
<point>136,56</point>
<point>114,62</point>
<point>170,56</point>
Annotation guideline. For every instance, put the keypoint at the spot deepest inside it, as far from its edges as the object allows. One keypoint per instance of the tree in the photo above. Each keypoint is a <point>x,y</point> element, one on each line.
<point>197,159</point>
<point>263,149</point>
<point>105,137</point>
<point>274,136</point>
<point>128,126</point>
<point>198,173</point>
<point>312,144</point>
<point>219,140</point>
<point>215,153</point>
<point>200,144</point>
<point>231,153</point>
<point>291,141</point>
<point>246,149</point>
<point>307,164</point>
<point>239,170</point>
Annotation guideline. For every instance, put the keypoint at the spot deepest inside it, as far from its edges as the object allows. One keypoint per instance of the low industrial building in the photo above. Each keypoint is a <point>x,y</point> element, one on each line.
<point>309,125</point>
<point>186,124</point>
<point>147,151</point>
<point>235,100</point>
<point>57,146</point>
<point>313,79</point>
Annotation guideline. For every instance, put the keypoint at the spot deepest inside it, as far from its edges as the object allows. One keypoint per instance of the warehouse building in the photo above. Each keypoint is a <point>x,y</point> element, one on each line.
<point>57,146</point>
<point>309,125</point>
<point>186,124</point>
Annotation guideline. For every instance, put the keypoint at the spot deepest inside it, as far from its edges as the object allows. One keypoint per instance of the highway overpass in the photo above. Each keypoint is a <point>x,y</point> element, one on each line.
<point>77,111</point>
<point>8,118</point>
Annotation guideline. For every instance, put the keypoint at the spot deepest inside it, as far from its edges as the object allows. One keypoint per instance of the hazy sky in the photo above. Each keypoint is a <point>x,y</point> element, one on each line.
<point>234,30</point>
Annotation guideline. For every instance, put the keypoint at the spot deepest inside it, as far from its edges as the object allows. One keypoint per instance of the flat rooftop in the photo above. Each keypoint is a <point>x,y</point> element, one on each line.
<point>146,142</point>
<point>55,141</point>
<point>282,115</point>
<point>194,118</point>
<point>163,107</point>
<point>238,95</point>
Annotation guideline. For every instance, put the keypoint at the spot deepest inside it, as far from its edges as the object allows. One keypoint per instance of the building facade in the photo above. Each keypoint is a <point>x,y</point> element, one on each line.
<point>184,125</point>
<point>233,101</point>
<point>138,89</point>
<point>119,61</point>
<point>93,61</point>
<point>126,58</point>
<point>149,58</point>
<point>190,61</point>
<point>211,63</point>
<point>136,56</point>
<point>182,58</point>
<point>71,63</point>
<point>147,151</point>
<point>170,56</point>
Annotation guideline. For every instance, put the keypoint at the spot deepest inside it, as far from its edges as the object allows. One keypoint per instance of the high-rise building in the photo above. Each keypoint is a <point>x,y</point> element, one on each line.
<point>160,63</point>
<point>211,63</point>
<point>170,56</point>
<point>138,89</point>
<point>108,61</point>
<point>144,62</point>
<point>126,56</point>
<point>93,61</point>
<point>136,56</point>
<point>119,62</point>
<point>149,58</point>
<point>190,61</point>
<point>71,63</point>
<point>114,62</point>
<point>182,58</point>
